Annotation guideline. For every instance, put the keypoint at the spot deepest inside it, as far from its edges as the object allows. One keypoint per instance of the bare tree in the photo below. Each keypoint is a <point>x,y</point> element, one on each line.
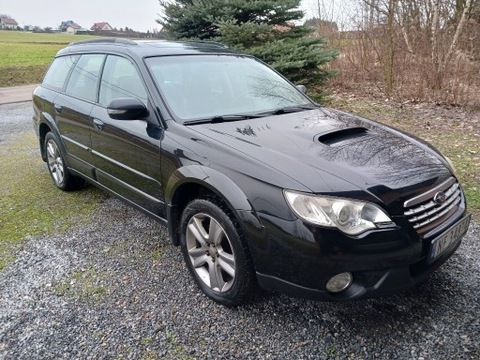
<point>416,37</point>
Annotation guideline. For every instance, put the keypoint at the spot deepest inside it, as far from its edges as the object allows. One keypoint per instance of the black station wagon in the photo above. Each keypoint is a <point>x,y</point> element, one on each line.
<point>258,184</point>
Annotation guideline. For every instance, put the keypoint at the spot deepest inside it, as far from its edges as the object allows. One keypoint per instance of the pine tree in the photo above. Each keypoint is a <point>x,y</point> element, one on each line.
<point>263,28</point>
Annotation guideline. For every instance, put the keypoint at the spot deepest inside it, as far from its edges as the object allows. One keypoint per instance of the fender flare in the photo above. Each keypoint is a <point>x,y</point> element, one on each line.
<point>219,184</point>
<point>212,179</point>
<point>48,121</point>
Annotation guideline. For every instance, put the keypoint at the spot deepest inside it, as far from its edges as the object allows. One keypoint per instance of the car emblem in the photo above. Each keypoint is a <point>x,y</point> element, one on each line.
<point>439,198</point>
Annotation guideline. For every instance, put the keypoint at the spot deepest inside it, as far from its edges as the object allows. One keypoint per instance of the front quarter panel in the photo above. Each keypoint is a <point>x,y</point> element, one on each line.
<point>212,179</point>
<point>222,186</point>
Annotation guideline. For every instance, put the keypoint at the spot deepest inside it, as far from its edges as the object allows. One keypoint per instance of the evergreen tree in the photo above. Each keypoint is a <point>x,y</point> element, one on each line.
<point>263,28</point>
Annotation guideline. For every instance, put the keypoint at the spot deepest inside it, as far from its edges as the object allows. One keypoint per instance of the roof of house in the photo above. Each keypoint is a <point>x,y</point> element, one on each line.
<point>99,25</point>
<point>8,20</point>
<point>69,23</point>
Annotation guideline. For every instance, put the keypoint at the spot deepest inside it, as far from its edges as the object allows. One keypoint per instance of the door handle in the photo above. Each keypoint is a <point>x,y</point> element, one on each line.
<point>98,124</point>
<point>58,108</point>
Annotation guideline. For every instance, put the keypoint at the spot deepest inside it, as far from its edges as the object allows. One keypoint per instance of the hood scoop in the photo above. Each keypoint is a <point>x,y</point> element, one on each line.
<point>343,136</point>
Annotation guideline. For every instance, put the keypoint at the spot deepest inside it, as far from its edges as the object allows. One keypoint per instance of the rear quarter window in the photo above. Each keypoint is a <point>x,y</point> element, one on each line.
<point>58,72</point>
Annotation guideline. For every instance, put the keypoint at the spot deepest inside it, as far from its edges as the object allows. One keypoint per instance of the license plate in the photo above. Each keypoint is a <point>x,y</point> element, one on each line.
<point>444,241</point>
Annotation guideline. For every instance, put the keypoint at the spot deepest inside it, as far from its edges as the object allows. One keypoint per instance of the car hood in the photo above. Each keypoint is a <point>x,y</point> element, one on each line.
<point>311,145</point>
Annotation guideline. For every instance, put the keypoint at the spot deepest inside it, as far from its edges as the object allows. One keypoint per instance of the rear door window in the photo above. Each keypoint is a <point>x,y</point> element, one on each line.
<point>120,79</point>
<point>59,70</point>
<point>83,82</point>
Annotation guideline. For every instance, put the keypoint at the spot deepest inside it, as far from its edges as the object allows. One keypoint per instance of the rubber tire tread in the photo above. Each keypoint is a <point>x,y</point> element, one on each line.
<point>70,182</point>
<point>244,285</point>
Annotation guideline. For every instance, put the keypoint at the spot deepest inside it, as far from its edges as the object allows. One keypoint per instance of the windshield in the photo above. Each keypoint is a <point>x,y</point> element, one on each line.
<point>212,86</point>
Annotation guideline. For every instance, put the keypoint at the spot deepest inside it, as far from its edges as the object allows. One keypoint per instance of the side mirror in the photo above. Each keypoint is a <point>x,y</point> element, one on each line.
<point>302,89</point>
<point>127,109</point>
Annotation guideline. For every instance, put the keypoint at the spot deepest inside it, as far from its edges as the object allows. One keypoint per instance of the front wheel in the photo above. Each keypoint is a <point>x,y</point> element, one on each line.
<point>215,253</point>
<point>56,166</point>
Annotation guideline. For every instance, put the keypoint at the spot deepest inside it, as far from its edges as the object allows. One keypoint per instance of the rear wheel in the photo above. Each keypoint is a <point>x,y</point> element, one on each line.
<point>215,253</point>
<point>61,177</point>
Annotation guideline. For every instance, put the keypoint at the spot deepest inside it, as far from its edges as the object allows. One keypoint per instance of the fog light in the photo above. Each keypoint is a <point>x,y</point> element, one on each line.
<point>340,282</point>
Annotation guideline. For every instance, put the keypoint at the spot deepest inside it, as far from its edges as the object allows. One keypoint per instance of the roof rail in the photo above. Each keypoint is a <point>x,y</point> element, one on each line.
<point>106,40</point>
<point>214,43</point>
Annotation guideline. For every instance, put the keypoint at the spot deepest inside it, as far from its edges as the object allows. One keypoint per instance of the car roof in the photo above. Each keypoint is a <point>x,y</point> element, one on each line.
<point>145,48</point>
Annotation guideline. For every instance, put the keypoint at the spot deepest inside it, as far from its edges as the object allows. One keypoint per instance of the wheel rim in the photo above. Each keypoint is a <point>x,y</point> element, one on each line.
<point>55,162</point>
<point>210,252</point>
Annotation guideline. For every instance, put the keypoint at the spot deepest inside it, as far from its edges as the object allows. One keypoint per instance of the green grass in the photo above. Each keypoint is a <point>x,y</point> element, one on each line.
<point>29,37</point>
<point>30,205</point>
<point>26,56</point>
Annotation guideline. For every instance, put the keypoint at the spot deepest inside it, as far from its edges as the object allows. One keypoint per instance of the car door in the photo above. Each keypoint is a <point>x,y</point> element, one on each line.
<point>72,111</point>
<point>127,152</point>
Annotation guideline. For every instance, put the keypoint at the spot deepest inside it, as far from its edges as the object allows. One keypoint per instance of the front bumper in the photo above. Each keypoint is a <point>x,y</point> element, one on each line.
<point>301,262</point>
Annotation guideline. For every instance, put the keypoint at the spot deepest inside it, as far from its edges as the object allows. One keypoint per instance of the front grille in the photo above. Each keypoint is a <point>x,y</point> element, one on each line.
<point>425,213</point>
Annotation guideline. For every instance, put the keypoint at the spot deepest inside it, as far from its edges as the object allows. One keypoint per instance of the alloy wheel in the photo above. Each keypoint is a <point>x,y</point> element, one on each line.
<point>55,162</point>
<point>210,252</point>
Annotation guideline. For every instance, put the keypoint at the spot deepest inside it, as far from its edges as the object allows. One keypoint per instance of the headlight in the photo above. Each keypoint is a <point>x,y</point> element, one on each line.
<point>351,217</point>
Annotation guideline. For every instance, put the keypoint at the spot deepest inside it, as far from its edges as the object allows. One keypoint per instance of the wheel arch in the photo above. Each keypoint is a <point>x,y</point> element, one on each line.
<point>45,126</point>
<point>43,130</point>
<point>196,181</point>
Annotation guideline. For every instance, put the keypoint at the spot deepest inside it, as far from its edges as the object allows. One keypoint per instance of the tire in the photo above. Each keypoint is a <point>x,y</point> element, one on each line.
<point>220,264</point>
<point>62,178</point>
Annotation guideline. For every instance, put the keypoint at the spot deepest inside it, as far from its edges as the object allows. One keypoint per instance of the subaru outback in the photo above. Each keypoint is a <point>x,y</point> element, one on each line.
<point>257,184</point>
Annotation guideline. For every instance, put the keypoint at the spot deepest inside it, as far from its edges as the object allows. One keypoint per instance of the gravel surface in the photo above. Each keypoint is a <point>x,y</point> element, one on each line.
<point>116,288</point>
<point>15,119</point>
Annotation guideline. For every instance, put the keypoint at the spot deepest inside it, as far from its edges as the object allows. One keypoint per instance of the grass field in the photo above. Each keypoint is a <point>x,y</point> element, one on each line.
<point>26,56</point>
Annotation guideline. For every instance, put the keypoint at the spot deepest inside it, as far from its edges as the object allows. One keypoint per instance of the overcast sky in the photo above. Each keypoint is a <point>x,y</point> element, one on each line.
<point>139,15</point>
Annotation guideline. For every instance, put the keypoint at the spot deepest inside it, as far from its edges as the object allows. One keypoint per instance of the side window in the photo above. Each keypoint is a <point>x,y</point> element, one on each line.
<point>120,79</point>
<point>59,70</point>
<point>83,81</point>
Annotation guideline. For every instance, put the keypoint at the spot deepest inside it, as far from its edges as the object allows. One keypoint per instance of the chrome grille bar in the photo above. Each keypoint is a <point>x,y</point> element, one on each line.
<point>430,193</point>
<point>424,213</point>
<point>432,205</point>
<point>436,216</point>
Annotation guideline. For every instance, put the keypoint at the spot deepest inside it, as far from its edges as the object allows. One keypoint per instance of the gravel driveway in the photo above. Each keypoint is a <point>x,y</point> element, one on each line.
<point>116,288</point>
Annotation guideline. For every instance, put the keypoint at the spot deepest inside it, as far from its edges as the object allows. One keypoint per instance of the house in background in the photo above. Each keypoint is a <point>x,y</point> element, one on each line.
<point>7,23</point>
<point>69,27</point>
<point>101,26</point>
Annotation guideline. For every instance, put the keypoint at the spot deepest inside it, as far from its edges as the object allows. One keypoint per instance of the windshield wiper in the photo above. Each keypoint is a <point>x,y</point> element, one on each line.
<point>235,117</point>
<point>294,108</point>
<point>223,118</point>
